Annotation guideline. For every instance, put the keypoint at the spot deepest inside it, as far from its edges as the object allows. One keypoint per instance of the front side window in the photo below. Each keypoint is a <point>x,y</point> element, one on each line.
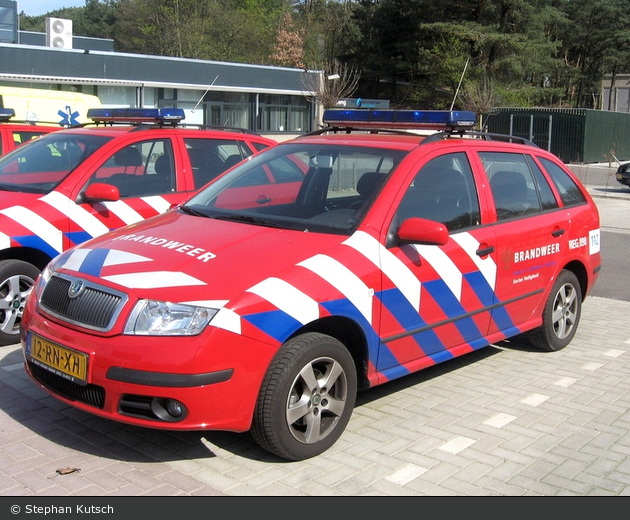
<point>443,190</point>
<point>140,169</point>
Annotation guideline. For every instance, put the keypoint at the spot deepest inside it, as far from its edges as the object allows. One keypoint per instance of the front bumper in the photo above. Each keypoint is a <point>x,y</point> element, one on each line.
<point>206,382</point>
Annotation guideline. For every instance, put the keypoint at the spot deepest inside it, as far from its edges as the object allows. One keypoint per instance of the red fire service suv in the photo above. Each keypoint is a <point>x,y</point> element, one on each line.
<point>77,183</point>
<point>264,306</point>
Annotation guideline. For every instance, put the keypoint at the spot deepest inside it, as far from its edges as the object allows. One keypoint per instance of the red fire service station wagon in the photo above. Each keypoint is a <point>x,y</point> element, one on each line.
<point>265,307</point>
<point>77,183</point>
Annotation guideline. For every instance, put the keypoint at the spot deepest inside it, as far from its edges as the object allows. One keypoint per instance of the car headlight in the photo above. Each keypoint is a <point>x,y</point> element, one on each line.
<point>42,279</point>
<point>154,318</point>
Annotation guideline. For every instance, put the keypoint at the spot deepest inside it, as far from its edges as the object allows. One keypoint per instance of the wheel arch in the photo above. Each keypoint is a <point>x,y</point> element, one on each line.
<point>348,332</point>
<point>579,270</point>
<point>31,255</point>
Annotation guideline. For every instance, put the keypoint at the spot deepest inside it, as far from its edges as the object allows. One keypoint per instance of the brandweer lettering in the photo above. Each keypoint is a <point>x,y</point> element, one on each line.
<point>536,252</point>
<point>180,247</point>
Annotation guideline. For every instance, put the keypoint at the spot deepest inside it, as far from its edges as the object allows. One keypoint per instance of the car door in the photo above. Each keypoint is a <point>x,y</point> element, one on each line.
<point>144,175</point>
<point>530,229</point>
<point>437,299</point>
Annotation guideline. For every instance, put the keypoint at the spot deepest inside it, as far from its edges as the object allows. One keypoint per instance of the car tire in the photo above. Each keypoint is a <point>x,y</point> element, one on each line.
<point>306,398</point>
<point>561,314</point>
<point>17,279</point>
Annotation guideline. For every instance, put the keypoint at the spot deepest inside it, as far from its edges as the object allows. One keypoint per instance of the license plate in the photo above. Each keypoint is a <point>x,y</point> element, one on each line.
<point>618,176</point>
<point>62,361</point>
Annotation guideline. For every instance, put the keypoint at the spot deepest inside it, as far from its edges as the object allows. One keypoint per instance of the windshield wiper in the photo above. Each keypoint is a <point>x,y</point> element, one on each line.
<point>16,187</point>
<point>192,211</point>
<point>247,218</point>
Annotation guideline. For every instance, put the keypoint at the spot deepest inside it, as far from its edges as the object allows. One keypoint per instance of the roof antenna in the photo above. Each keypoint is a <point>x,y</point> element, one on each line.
<point>203,96</point>
<point>460,83</point>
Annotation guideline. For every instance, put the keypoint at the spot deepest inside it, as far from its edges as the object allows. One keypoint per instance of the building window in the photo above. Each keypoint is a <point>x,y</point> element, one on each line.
<point>282,113</point>
<point>8,22</point>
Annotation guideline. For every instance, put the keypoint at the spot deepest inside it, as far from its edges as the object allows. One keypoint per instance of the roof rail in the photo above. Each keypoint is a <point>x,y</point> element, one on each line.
<point>438,136</point>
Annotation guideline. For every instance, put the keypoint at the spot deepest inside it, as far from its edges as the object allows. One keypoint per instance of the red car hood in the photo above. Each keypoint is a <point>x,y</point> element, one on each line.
<point>208,259</point>
<point>14,198</point>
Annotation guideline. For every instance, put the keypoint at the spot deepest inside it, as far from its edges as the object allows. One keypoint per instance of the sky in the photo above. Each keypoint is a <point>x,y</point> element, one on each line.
<point>39,7</point>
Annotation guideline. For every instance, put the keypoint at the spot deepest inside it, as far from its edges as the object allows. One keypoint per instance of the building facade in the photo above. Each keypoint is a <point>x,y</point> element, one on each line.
<point>616,93</point>
<point>265,99</point>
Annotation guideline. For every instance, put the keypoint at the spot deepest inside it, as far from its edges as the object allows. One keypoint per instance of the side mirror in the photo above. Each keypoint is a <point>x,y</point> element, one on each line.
<point>421,230</point>
<point>100,191</point>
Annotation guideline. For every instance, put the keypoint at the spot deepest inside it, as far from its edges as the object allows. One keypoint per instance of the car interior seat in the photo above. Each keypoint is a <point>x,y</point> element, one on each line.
<point>206,165</point>
<point>509,189</point>
<point>163,181</point>
<point>128,157</point>
<point>440,194</point>
<point>39,162</point>
<point>367,185</point>
<point>232,160</point>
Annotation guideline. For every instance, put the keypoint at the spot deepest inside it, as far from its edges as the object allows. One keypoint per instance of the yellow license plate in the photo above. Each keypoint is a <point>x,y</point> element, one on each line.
<point>618,176</point>
<point>60,360</point>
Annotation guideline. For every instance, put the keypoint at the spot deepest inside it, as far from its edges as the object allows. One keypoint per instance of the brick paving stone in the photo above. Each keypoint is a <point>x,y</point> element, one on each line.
<point>504,421</point>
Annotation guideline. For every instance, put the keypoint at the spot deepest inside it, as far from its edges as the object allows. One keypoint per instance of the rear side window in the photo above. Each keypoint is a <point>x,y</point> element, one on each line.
<point>259,146</point>
<point>514,188</point>
<point>22,136</point>
<point>570,193</point>
<point>547,198</point>
<point>209,158</point>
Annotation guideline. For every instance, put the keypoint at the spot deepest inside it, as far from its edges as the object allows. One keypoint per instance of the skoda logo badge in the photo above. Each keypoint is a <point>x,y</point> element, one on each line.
<point>76,288</point>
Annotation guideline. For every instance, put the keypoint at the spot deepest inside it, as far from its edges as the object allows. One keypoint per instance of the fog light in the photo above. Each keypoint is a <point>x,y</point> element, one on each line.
<point>174,408</point>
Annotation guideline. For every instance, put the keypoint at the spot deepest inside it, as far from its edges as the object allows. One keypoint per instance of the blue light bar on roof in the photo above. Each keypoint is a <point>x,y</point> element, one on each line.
<point>136,115</point>
<point>427,119</point>
<point>6,114</point>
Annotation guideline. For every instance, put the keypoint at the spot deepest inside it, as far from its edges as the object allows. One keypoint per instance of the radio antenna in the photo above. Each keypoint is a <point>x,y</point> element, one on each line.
<point>460,83</point>
<point>204,95</point>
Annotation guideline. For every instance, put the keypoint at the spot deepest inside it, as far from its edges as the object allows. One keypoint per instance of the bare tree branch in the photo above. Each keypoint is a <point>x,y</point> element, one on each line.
<point>337,81</point>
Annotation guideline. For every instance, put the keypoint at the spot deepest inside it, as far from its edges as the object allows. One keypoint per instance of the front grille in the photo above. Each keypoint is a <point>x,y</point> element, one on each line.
<point>95,307</point>
<point>89,394</point>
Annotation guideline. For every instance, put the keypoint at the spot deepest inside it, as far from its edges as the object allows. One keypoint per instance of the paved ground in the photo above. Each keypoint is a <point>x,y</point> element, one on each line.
<point>507,420</point>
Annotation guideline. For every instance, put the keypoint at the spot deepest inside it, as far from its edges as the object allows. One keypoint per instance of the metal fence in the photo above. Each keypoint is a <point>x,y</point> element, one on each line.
<point>575,135</point>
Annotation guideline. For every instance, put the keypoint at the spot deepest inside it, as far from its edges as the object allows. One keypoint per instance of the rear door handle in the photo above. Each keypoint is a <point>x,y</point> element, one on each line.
<point>557,232</point>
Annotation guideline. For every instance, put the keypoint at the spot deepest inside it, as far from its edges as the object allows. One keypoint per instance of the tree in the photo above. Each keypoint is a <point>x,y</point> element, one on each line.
<point>96,20</point>
<point>411,52</point>
<point>480,99</point>
<point>289,50</point>
<point>597,39</point>
<point>333,82</point>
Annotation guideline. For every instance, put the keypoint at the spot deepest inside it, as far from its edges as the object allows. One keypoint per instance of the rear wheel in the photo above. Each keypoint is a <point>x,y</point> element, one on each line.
<point>561,314</point>
<point>306,398</point>
<point>17,279</point>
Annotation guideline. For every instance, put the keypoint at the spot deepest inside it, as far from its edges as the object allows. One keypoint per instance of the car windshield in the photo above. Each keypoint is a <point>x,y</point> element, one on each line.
<point>40,165</point>
<point>324,188</point>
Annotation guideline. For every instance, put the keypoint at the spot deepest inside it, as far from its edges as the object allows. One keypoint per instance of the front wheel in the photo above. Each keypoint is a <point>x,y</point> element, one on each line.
<point>17,279</point>
<point>306,398</point>
<point>561,314</point>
